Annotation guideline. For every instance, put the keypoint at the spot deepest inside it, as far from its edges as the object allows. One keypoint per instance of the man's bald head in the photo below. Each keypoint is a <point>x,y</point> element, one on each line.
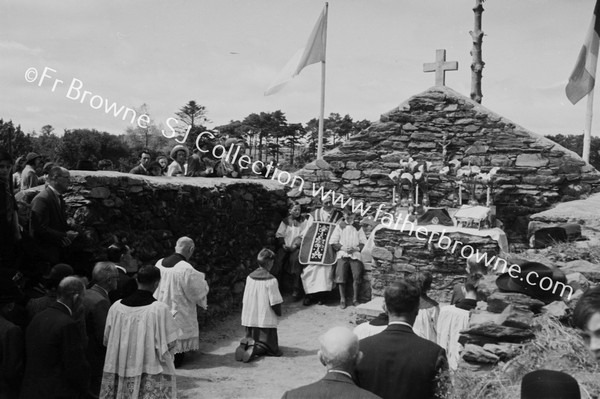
<point>185,246</point>
<point>106,275</point>
<point>339,349</point>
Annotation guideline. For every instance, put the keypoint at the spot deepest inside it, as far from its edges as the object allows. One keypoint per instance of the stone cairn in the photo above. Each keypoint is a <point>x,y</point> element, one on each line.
<point>498,327</point>
<point>441,125</point>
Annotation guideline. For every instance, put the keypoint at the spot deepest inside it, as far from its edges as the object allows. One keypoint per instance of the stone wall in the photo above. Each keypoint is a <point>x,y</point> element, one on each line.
<point>534,173</point>
<point>399,253</point>
<point>230,220</point>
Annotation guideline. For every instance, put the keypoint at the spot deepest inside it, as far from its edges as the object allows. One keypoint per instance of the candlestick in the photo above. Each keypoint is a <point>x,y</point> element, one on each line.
<point>417,195</point>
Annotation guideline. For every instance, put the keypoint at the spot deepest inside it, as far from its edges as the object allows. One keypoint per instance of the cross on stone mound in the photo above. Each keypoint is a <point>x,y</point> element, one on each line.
<point>440,66</point>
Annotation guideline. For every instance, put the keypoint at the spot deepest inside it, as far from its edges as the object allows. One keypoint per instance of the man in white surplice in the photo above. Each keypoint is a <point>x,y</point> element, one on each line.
<point>139,336</point>
<point>182,288</point>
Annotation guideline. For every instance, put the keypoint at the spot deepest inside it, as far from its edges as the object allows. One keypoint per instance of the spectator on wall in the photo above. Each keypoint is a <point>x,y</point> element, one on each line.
<point>29,177</point>
<point>142,168</point>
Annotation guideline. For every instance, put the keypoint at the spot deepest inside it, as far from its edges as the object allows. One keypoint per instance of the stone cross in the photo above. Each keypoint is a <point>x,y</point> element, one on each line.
<point>440,66</point>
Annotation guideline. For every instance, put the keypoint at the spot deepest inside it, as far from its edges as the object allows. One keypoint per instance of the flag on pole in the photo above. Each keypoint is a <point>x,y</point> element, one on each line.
<point>313,52</point>
<point>583,78</point>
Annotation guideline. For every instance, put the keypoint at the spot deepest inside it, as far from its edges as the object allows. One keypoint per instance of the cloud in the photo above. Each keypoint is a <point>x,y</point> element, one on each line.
<point>15,46</point>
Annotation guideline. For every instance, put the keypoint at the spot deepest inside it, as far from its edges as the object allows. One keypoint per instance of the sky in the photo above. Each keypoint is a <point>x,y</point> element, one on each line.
<point>224,54</point>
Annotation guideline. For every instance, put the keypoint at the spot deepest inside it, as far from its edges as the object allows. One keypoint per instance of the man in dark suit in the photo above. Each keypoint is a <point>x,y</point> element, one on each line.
<point>55,364</point>
<point>48,223</point>
<point>96,304</point>
<point>340,354</point>
<point>141,169</point>
<point>120,255</point>
<point>397,363</point>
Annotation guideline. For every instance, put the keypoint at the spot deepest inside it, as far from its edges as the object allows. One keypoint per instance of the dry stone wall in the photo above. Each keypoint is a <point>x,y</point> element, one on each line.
<point>440,125</point>
<point>230,220</point>
<point>398,253</point>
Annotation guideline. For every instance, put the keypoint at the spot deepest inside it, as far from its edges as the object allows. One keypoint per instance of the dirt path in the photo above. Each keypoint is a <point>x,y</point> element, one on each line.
<point>212,372</point>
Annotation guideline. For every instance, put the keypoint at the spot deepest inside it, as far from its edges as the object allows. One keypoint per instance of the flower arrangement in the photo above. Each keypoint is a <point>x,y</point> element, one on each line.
<point>471,176</point>
<point>411,175</point>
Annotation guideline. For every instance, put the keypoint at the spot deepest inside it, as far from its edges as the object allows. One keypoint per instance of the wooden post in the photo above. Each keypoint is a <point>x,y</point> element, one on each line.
<point>477,65</point>
<point>587,134</point>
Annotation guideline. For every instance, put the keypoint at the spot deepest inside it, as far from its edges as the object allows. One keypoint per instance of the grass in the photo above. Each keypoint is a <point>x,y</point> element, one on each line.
<point>556,347</point>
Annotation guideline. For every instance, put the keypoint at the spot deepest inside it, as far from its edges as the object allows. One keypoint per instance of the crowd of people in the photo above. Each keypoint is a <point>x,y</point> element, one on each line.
<point>117,336</point>
<point>200,163</point>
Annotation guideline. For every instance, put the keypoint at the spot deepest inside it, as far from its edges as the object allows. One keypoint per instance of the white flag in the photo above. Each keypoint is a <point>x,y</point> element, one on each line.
<point>313,52</point>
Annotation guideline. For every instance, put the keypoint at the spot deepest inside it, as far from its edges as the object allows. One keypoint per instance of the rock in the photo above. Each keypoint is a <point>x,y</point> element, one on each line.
<point>504,351</point>
<point>500,160</point>
<point>557,309</point>
<point>136,189</point>
<point>514,316</point>
<point>382,253</point>
<point>483,317</point>
<point>476,354</point>
<point>423,136</point>
<point>511,317</point>
<point>475,367</point>
<point>477,149</point>
<point>588,269</point>
<point>531,160</point>
<point>351,175</point>
<point>578,281</point>
<point>500,333</point>
<point>498,301</point>
<point>99,192</point>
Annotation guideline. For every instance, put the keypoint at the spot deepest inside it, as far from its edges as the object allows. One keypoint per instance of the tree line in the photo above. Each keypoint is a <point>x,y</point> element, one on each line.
<point>268,135</point>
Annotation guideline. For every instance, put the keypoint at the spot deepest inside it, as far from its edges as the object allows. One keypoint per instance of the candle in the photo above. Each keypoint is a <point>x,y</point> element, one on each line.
<point>489,191</point>
<point>394,195</point>
<point>459,193</point>
<point>417,195</point>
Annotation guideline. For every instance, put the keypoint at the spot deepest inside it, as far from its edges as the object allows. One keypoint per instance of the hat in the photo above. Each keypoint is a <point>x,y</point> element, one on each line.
<point>8,291</point>
<point>31,156</point>
<point>57,273</point>
<point>47,167</point>
<point>179,147</point>
<point>549,384</point>
<point>520,284</point>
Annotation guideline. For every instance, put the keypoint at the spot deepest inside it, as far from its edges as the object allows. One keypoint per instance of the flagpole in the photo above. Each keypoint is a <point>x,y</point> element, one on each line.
<point>587,135</point>
<point>322,113</point>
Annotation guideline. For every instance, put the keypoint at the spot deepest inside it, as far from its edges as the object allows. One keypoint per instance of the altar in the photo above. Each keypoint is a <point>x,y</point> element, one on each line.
<point>397,250</point>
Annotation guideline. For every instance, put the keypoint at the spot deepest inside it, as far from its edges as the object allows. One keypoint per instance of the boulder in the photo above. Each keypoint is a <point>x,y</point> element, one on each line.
<point>99,192</point>
<point>476,354</point>
<point>578,281</point>
<point>498,301</point>
<point>557,309</point>
<point>588,269</point>
<point>531,160</point>
<point>504,351</point>
<point>514,316</point>
<point>351,175</point>
<point>500,333</point>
